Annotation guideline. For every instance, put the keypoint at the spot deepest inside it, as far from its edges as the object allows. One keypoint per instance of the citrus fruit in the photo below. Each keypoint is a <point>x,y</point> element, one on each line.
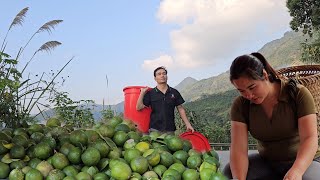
<point>114,121</point>
<point>20,140</point>
<point>34,162</point>
<point>78,138</point>
<point>206,173</point>
<point>134,135</point>
<point>182,156</point>
<point>106,131</point>
<point>50,140</point>
<point>17,152</point>
<point>19,131</point>
<point>130,143</point>
<point>42,151</point>
<point>139,164</point>
<point>16,174</point>
<point>150,175</point>
<point>171,172</point>
<point>92,135</point>
<point>4,170</point>
<point>135,176</point>
<point>70,171</point>
<point>114,153</point>
<point>192,152</point>
<point>102,147</point>
<point>100,176</point>
<point>175,144</point>
<point>159,169</point>
<point>55,174</point>
<point>53,122</point>
<point>178,167</point>
<point>91,156</point>
<point>166,159</point>
<point>83,176</point>
<point>59,161</point>
<point>37,137</point>
<point>5,137</point>
<point>190,174</point>
<point>122,127</point>
<point>186,145</point>
<point>212,160</point>
<point>7,131</point>
<point>3,149</point>
<point>129,154</point>
<point>194,162</point>
<point>214,154</point>
<point>207,165</point>
<point>26,169</point>
<point>142,146</point>
<point>35,128</point>
<point>65,148</point>
<point>218,176</point>
<point>120,170</point>
<point>152,156</point>
<point>120,137</point>
<point>17,164</point>
<point>44,167</point>
<point>33,174</point>
<point>74,155</point>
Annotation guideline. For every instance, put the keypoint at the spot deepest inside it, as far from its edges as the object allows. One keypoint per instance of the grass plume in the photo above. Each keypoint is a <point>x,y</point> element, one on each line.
<point>49,26</point>
<point>18,20</point>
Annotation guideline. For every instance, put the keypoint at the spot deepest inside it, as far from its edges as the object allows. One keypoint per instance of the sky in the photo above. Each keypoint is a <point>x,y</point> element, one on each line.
<point>118,43</point>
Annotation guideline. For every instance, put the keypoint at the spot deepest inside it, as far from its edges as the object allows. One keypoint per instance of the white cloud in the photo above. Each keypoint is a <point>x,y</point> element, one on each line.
<point>163,60</point>
<point>211,31</point>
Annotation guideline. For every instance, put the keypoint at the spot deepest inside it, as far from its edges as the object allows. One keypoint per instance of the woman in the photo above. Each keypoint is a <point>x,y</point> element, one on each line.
<point>280,115</point>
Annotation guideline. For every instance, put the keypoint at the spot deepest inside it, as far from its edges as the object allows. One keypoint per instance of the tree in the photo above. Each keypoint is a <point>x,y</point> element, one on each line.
<point>305,15</point>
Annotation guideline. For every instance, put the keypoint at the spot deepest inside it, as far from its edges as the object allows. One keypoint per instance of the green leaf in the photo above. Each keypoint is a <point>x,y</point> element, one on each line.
<point>6,159</point>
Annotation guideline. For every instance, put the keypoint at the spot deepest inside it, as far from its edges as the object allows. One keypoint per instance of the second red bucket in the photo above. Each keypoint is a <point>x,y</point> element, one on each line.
<point>140,118</point>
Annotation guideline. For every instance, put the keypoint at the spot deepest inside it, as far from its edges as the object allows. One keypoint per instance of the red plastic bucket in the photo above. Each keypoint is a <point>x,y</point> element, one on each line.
<point>140,118</point>
<point>199,142</point>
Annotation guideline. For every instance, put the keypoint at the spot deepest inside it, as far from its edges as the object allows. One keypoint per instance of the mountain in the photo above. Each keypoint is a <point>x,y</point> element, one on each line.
<point>184,84</point>
<point>280,53</point>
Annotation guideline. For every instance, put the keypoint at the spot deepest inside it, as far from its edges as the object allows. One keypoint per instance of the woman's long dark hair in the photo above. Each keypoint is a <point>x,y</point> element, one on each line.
<point>252,66</point>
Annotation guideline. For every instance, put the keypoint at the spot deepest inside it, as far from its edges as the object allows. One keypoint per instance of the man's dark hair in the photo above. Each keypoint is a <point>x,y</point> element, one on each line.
<point>161,67</point>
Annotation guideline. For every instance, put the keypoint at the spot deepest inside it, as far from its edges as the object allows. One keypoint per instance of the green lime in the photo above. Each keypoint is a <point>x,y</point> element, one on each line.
<point>4,170</point>
<point>91,157</point>
<point>16,174</point>
<point>59,161</point>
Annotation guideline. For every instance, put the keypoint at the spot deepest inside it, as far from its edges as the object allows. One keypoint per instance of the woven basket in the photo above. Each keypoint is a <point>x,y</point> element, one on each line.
<point>309,76</point>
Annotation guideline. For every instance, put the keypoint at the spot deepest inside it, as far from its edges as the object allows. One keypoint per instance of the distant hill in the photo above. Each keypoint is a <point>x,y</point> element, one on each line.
<point>97,108</point>
<point>184,84</point>
<point>280,53</point>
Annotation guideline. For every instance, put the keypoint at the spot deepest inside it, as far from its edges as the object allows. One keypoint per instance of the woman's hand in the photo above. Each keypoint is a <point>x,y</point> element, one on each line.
<point>190,128</point>
<point>293,174</point>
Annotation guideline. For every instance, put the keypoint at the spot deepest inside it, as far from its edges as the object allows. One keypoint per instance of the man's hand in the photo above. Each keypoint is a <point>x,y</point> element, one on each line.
<point>144,90</point>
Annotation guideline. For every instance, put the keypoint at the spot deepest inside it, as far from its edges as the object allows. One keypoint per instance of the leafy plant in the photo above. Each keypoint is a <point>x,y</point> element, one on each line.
<point>311,50</point>
<point>19,96</point>
<point>75,113</point>
<point>306,16</point>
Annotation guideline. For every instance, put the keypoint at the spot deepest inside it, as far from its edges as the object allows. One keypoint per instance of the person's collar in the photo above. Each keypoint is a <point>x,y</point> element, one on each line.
<point>157,90</point>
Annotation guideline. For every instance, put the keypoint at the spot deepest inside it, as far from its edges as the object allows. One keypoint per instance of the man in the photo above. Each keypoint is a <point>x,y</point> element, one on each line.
<point>163,99</point>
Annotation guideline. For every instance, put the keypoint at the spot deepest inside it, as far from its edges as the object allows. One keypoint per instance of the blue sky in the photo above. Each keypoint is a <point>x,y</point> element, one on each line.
<point>126,40</point>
